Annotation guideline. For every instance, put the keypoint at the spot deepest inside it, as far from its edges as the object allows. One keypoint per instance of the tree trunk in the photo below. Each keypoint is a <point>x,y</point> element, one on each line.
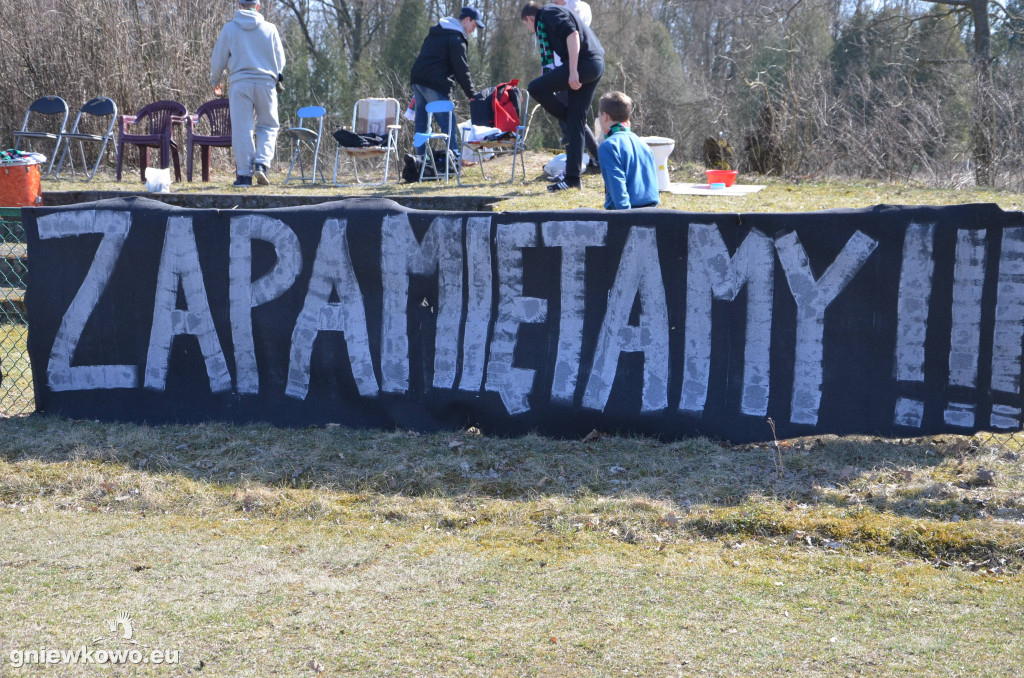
<point>981,131</point>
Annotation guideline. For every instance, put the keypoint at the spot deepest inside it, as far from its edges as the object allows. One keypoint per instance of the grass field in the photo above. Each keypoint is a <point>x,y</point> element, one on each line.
<point>254,551</point>
<point>779,195</point>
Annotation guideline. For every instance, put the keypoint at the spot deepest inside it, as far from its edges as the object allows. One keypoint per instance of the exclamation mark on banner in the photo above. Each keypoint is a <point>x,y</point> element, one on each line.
<point>912,314</point>
<point>1009,328</point>
<point>965,338</point>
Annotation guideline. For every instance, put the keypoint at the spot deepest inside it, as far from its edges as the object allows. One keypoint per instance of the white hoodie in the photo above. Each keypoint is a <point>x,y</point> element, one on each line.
<point>249,48</point>
<point>452,24</point>
<point>582,10</point>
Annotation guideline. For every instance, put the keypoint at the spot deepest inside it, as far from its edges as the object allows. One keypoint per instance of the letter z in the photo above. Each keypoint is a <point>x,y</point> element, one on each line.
<point>114,226</point>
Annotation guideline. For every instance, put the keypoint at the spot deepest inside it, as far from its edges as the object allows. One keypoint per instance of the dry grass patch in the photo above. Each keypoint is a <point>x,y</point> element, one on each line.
<point>255,550</point>
<point>945,499</point>
<point>780,194</point>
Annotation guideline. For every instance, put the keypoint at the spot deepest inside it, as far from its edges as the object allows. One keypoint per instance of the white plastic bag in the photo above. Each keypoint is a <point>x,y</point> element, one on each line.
<point>158,180</point>
<point>556,165</point>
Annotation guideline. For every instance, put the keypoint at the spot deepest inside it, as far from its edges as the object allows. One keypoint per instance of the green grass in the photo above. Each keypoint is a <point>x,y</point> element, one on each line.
<point>16,394</point>
<point>259,551</point>
<point>256,550</point>
<point>780,195</point>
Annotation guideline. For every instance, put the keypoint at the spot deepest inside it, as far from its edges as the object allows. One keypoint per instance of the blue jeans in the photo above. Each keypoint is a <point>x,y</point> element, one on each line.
<point>424,96</point>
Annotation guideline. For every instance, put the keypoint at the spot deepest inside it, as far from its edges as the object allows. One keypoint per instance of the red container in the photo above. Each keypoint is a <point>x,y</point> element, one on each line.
<point>19,186</point>
<point>727,177</point>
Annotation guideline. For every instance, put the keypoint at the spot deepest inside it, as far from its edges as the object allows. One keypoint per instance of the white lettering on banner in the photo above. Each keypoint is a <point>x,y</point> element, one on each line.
<point>332,272</point>
<point>179,265</point>
<point>246,294</point>
<point>573,237</point>
<point>812,298</point>
<point>481,308</point>
<point>478,311</point>
<point>1006,342</point>
<point>513,384</point>
<point>401,256</point>
<point>965,337</point>
<point>639,274</point>
<point>712,274</point>
<point>114,227</point>
<point>912,317</point>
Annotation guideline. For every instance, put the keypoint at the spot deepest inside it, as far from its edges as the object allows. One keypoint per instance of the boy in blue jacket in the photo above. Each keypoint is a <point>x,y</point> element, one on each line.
<point>627,164</point>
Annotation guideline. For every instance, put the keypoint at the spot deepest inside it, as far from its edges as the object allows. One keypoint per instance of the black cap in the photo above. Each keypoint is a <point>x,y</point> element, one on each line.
<point>470,12</point>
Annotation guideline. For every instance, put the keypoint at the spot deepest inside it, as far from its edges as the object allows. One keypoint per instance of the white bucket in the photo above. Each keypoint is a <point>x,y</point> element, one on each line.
<point>662,148</point>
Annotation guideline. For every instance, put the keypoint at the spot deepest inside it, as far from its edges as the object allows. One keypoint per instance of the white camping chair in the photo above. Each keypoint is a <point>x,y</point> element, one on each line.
<point>306,137</point>
<point>437,109</point>
<point>372,116</point>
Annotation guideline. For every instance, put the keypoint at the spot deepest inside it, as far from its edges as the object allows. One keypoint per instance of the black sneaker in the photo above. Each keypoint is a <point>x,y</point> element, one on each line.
<point>557,177</point>
<point>260,174</point>
<point>243,180</point>
<point>564,186</point>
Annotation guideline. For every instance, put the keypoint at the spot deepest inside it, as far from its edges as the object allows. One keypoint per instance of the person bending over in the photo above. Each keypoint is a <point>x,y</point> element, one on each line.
<point>582,9</point>
<point>441,59</point>
<point>562,32</point>
<point>627,164</point>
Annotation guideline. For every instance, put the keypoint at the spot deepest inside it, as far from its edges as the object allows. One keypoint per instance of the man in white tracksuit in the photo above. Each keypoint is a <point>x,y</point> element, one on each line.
<point>250,49</point>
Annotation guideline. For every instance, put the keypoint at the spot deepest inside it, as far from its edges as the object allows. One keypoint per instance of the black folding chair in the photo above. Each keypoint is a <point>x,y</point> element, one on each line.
<point>89,118</point>
<point>48,106</point>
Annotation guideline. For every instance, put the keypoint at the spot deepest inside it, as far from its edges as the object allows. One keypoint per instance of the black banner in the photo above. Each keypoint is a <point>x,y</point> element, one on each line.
<point>888,321</point>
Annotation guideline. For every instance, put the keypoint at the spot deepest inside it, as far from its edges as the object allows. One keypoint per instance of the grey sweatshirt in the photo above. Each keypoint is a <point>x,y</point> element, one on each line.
<point>249,48</point>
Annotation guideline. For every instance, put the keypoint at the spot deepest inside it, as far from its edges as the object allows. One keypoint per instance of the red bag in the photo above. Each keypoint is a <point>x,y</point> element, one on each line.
<point>507,97</point>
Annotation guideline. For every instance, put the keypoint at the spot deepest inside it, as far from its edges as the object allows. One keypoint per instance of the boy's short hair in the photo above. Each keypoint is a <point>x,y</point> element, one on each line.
<point>530,9</point>
<point>617,105</point>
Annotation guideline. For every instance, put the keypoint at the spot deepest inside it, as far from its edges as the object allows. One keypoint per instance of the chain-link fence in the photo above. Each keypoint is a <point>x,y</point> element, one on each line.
<point>16,395</point>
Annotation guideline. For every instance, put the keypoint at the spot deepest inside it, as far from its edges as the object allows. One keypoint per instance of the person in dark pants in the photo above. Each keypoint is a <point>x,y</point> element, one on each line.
<point>561,32</point>
<point>443,58</point>
<point>583,11</point>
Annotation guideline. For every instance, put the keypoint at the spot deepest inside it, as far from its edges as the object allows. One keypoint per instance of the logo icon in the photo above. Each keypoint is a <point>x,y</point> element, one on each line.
<point>124,621</point>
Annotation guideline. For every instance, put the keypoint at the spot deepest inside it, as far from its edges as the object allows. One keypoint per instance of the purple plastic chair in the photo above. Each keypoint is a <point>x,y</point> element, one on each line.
<point>155,124</point>
<point>213,116</point>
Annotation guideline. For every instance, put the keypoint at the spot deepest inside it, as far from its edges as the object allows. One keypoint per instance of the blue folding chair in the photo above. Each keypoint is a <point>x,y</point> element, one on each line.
<point>95,108</point>
<point>306,137</point>
<point>437,109</point>
<point>44,106</point>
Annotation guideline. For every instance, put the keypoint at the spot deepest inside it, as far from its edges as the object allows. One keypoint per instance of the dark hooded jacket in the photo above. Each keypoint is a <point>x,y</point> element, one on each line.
<point>443,58</point>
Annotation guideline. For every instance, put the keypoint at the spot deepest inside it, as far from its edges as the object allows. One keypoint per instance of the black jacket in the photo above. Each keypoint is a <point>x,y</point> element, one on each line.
<point>443,58</point>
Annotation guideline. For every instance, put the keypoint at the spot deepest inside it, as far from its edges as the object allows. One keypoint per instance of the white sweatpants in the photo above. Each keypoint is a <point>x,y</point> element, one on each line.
<point>253,108</point>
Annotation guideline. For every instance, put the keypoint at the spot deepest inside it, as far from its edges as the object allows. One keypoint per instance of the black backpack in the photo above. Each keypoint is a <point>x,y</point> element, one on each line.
<point>481,111</point>
<point>481,106</point>
<point>414,163</point>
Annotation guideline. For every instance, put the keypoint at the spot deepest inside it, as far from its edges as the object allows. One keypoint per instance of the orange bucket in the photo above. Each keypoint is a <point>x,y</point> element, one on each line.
<point>727,177</point>
<point>19,186</point>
